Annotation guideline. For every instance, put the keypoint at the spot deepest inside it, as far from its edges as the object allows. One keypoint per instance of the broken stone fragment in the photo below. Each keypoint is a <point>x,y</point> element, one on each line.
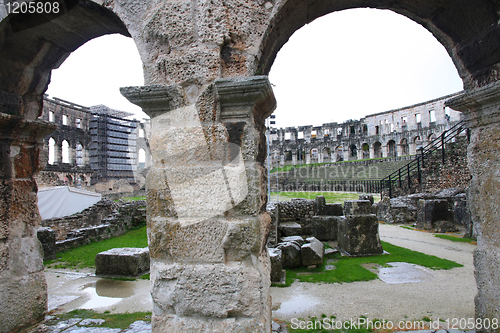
<point>291,256</point>
<point>312,252</point>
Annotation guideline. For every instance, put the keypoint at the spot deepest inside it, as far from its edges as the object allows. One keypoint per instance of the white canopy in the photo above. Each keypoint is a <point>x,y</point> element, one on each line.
<point>62,201</point>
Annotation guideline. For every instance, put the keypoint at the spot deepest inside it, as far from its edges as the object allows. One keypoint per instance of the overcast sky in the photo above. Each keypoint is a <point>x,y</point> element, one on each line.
<point>342,66</point>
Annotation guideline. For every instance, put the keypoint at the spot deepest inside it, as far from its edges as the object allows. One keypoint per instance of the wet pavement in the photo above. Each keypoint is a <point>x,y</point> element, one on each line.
<point>402,291</point>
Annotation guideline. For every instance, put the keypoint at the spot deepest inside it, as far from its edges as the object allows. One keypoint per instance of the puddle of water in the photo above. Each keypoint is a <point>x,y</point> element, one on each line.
<point>297,305</point>
<point>114,288</point>
<point>106,292</point>
<point>402,272</point>
<point>330,267</point>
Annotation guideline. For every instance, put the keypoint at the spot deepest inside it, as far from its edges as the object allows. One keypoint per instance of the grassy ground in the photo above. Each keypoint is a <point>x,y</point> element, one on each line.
<point>121,320</point>
<point>303,165</point>
<point>460,239</point>
<point>349,269</point>
<point>330,197</point>
<point>84,256</point>
<point>134,198</point>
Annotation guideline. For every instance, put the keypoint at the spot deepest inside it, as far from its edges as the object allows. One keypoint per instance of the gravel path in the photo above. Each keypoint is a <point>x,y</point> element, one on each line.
<point>444,294</point>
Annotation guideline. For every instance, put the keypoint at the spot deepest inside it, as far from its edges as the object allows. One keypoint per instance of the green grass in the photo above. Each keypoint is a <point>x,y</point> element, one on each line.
<point>406,227</point>
<point>120,320</point>
<point>349,269</point>
<point>330,197</point>
<point>287,168</point>
<point>134,198</point>
<point>84,256</point>
<point>457,239</point>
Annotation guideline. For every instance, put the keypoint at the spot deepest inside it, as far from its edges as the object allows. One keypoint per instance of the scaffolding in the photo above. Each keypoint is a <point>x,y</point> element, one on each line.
<point>113,148</point>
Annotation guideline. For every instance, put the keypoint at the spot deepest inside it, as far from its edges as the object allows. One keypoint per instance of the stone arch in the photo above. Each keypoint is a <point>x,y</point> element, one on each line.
<point>327,154</point>
<point>433,16</point>
<point>339,154</point>
<point>467,29</point>
<point>353,152</point>
<point>405,148</point>
<point>37,54</point>
<point>391,148</point>
<point>26,62</point>
<point>365,147</point>
<point>431,137</point>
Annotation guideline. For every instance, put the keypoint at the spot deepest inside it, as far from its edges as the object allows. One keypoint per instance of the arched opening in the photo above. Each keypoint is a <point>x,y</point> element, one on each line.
<point>31,46</point>
<point>377,150</point>
<point>326,154</point>
<point>391,148</point>
<point>65,152</point>
<point>353,152</point>
<point>405,148</point>
<point>52,151</point>
<point>339,154</point>
<point>366,150</point>
<point>142,159</point>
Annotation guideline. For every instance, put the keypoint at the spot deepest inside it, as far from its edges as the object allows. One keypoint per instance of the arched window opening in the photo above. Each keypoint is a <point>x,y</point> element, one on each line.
<point>65,151</point>
<point>142,159</point>
<point>52,151</point>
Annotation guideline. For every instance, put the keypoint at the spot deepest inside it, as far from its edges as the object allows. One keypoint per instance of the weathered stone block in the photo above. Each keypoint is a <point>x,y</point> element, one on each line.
<point>290,228</point>
<point>325,228</point>
<point>312,252</point>
<point>368,197</point>
<point>320,205</point>
<point>126,261</point>
<point>296,239</point>
<point>276,264</point>
<point>47,238</point>
<point>333,210</point>
<point>209,290</point>
<point>358,235</point>
<point>291,254</point>
<point>357,207</point>
<point>432,212</point>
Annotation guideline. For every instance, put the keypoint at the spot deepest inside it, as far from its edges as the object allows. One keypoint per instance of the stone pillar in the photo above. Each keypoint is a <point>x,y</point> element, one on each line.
<point>57,153</point>
<point>294,158</point>
<point>384,150</point>
<point>359,152</point>
<point>23,290</point>
<point>207,224</point>
<point>481,108</point>
<point>308,157</point>
<point>282,160</point>
<point>372,152</point>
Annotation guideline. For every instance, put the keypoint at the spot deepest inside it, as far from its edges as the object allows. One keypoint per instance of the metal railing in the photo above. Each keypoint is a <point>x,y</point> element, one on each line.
<point>410,174</point>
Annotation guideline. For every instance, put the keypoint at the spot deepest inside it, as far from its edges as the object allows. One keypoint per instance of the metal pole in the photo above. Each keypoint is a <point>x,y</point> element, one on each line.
<point>268,165</point>
<point>442,145</point>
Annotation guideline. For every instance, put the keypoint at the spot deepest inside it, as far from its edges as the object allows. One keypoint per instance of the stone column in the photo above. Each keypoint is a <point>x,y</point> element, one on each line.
<point>207,224</point>
<point>23,290</point>
<point>57,153</point>
<point>481,108</point>
<point>294,158</point>
<point>372,152</point>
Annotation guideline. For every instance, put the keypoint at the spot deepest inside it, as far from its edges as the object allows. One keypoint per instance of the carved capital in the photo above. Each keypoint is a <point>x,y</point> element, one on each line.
<point>480,106</point>
<point>240,97</point>
<point>156,99</point>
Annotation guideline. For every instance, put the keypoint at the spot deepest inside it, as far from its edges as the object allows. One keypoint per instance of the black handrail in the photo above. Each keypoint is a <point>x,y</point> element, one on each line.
<point>414,167</point>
